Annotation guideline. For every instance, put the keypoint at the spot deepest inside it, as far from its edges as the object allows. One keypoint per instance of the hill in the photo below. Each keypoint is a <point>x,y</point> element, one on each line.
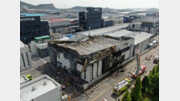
<point>41,6</point>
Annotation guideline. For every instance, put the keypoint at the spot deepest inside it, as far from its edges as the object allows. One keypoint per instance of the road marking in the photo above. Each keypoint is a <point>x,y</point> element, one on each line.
<point>100,94</point>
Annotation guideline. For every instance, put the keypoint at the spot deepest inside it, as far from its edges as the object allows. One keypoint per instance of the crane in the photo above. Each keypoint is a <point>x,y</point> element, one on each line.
<point>140,68</point>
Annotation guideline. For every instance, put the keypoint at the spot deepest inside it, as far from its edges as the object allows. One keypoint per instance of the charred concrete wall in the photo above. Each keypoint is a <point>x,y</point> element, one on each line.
<point>98,63</point>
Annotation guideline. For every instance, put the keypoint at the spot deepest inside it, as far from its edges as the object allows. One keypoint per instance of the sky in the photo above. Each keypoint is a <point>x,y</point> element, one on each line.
<point>116,4</point>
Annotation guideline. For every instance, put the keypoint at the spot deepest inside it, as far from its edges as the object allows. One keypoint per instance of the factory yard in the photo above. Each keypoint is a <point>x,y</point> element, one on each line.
<point>39,67</point>
<point>104,89</point>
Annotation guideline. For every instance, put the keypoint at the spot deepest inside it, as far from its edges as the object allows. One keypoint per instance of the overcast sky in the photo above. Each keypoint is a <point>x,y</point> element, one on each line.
<point>117,4</point>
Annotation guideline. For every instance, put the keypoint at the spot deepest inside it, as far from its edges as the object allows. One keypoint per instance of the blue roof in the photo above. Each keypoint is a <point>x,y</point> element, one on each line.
<point>32,14</point>
<point>69,36</point>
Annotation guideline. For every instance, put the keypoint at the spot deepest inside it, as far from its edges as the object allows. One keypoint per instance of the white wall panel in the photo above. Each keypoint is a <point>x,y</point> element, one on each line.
<point>99,67</point>
<point>95,70</point>
<point>89,73</point>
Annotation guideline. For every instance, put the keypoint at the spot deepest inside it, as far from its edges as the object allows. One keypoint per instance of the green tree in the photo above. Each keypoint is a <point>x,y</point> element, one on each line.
<point>155,87</point>
<point>127,96</point>
<point>136,94</point>
<point>145,85</point>
<point>154,81</point>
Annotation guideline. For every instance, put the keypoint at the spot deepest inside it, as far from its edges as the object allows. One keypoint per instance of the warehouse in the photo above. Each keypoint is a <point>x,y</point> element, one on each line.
<point>63,25</point>
<point>25,59</point>
<point>141,39</point>
<point>42,88</point>
<point>103,31</point>
<point>90,58</point>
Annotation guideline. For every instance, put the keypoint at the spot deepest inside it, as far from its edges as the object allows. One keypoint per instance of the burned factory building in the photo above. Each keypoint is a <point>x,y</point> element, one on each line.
<point>90,58</point>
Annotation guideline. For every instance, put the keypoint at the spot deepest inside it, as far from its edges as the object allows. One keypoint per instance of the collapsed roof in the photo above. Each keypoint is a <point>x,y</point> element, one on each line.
<point>91,44</point>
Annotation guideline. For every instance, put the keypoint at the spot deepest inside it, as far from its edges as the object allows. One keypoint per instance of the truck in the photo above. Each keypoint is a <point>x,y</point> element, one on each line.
<point>121,86</point>
<point>140,68</point>
<point>25,78</point>
<point>141,71</point>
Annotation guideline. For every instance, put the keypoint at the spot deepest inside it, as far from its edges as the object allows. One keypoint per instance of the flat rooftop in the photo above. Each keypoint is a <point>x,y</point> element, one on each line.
<point>138,36</point>
<point>37,87</point>
<point>102,31</point>
<point>90,45</point>
<point>148,19</point>
<point>32,14</point>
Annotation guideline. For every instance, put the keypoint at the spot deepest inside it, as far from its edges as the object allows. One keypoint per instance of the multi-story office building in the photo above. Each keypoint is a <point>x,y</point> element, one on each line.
<point>31,27</point>
<point>91,18</point>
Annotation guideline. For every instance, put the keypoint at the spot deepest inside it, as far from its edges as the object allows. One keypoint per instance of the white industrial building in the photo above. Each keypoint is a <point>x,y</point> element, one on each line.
<point>42,88</point>
<point>39,46</point>
<point>25,57</point>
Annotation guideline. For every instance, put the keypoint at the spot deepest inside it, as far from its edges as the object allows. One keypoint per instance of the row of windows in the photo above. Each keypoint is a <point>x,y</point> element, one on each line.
<point>30,26</point>
<point>30,32</point>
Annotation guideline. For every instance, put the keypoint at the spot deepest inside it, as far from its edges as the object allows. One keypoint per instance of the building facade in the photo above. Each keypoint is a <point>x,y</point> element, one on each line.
<point>39,46</point>
<point>91,18</point>
<point>88,61</point>
<point>106,23</point>
<point>31,27</point>
<point>25,58</point>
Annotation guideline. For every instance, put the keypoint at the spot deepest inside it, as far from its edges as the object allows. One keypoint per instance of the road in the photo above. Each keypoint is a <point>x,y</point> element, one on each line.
<point>104,90</point>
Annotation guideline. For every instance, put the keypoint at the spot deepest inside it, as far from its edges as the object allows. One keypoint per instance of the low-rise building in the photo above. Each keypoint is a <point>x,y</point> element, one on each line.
<point>63,25</point>
<point>25,57</point>
<point>141,39</point>
<point>106,22</point>
<point>42,88</point>
<point>149,25</point>
<point>91,58</point>
<point>39,46</point>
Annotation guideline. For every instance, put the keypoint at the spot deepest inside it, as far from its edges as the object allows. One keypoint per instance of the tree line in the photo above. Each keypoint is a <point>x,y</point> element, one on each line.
<point>145,90</point>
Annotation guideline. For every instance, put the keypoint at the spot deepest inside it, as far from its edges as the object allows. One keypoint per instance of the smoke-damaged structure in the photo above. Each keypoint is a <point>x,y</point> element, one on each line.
<point>89,59</point>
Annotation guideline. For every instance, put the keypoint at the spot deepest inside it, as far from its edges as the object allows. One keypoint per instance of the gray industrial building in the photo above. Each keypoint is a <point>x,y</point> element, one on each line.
<point>91,18</point>
<point>91,58</point>
<point>63,25</point>
<point>141,39</point>
<point>147,24</point>
<point>42,88</point>
<point>94,53</point>
<point>106,22</point>
<point>25,57</point>
<point>103,31</point>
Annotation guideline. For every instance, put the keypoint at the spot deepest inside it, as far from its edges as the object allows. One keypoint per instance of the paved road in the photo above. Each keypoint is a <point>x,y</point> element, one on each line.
<point>36,70</point>
<point>105,89</point>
